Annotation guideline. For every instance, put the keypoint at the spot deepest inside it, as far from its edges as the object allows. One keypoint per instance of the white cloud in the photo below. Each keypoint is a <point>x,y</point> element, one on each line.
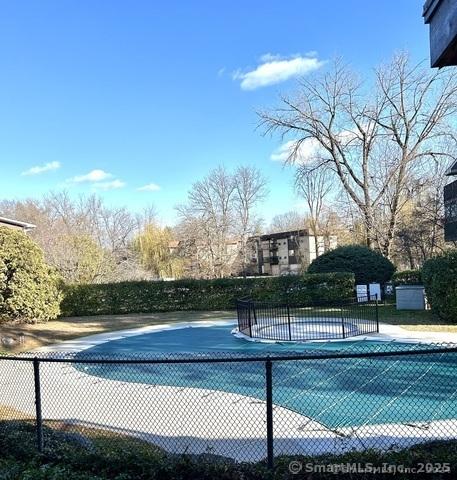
<point>275,69</point>
<point>47,167</point>
<point>306,151</point>
<point>97,179</point>
<point>112,185</point>
<point>93,176</point>
<point>150,187</point>
<point>310,148</point>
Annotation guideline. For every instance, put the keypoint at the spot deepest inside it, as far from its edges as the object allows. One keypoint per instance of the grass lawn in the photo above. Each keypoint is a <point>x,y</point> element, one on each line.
<point>422,320</point>
<point>42,334</point>
<point>418,320</point>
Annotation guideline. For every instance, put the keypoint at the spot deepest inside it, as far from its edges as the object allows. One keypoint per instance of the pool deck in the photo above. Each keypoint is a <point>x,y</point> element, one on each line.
<point>388,333</point>
<point>194,420</point>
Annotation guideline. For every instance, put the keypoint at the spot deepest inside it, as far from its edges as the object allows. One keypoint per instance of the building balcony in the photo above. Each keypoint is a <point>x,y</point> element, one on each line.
<point>274,261</point>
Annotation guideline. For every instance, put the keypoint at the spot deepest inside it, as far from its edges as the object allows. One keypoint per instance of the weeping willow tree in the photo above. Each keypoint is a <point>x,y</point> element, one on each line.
<point>153,246</point>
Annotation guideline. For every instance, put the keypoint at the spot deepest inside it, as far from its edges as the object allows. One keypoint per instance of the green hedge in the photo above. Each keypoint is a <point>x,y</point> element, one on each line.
<point>440,280</point>
<point>87,454</point>
<point>407,277</point>
<point>147,296</point>
<point>367,265</point>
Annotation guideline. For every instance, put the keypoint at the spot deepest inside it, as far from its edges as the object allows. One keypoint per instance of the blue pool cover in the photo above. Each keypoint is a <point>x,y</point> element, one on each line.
<point>337,392</point>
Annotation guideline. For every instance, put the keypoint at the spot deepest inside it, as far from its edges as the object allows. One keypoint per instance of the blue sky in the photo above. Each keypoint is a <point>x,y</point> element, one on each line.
<point>155,93</point>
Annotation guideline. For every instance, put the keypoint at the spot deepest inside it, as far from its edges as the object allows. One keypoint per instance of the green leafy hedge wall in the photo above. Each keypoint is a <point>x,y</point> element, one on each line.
<point>148,296</point>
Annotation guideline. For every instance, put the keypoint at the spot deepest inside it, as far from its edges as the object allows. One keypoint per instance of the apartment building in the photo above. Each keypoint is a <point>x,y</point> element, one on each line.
<point>285,253</point>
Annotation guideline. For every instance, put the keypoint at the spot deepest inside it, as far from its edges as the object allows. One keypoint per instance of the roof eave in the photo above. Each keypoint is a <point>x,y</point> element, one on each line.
<point>17,223</point>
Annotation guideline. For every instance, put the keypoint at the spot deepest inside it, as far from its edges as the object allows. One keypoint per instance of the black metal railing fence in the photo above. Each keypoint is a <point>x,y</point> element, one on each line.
<point>326,321</point>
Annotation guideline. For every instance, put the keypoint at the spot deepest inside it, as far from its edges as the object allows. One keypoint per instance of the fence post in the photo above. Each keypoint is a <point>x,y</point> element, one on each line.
<point>269,395</point>
<point>377,313</point>
<point>249,318</point>
<point>342,323</point>
<point>39,418</point>
<point>288,322</point>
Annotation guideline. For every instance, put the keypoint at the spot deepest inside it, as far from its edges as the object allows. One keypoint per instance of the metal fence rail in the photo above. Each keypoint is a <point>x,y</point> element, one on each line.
<point>339,320</point>
<point>246,408</point>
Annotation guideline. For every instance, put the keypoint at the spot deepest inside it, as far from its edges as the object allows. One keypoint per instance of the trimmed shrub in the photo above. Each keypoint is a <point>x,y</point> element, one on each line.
<point>440,280</point>
<point>407,277</point>
<point>28,287</point>
<point>118,457</point>
<point>367,265</point>
<point>221,294</point>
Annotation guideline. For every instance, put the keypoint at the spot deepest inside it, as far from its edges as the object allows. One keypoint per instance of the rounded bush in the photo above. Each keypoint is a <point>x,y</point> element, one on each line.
<point>367,265</point>
<point>439,275</point>
<point>28,287</point>
<point>407,277</point>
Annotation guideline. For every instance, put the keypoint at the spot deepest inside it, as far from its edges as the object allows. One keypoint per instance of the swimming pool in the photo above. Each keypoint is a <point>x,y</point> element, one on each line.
<point>337,392</point>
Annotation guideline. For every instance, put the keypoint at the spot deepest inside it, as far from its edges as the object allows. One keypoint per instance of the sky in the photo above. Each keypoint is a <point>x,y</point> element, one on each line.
<point>136,100</point>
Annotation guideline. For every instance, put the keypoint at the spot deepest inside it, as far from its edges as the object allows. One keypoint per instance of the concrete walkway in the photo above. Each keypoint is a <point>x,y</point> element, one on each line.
<point>387,333</point>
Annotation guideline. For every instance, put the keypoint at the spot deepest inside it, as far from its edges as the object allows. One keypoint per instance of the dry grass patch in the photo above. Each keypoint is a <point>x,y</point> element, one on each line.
<point>17,337</point>
<point>11,414</point>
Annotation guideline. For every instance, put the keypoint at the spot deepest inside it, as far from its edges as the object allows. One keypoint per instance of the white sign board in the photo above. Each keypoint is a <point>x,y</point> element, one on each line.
<point>389,289</point>
<point>375,291</point>
<point>362,293</point>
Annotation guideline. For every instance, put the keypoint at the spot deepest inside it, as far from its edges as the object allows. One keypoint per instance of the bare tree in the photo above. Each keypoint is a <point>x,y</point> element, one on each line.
<point>420,232</point>
<point>288,221</point>
<point>314,184</point>
<point>371,138</point>
<point>218,219</point>
<point>194,245</point>
<point>83,238</point>
<point>250,189</point>
<point>210,206</point>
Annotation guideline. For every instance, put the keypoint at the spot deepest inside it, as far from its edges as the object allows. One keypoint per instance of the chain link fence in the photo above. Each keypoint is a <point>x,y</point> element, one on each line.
<point>240,408</point>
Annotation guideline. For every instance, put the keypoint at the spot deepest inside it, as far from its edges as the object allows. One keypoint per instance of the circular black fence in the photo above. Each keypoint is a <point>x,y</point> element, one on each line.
<point>282,322</point>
